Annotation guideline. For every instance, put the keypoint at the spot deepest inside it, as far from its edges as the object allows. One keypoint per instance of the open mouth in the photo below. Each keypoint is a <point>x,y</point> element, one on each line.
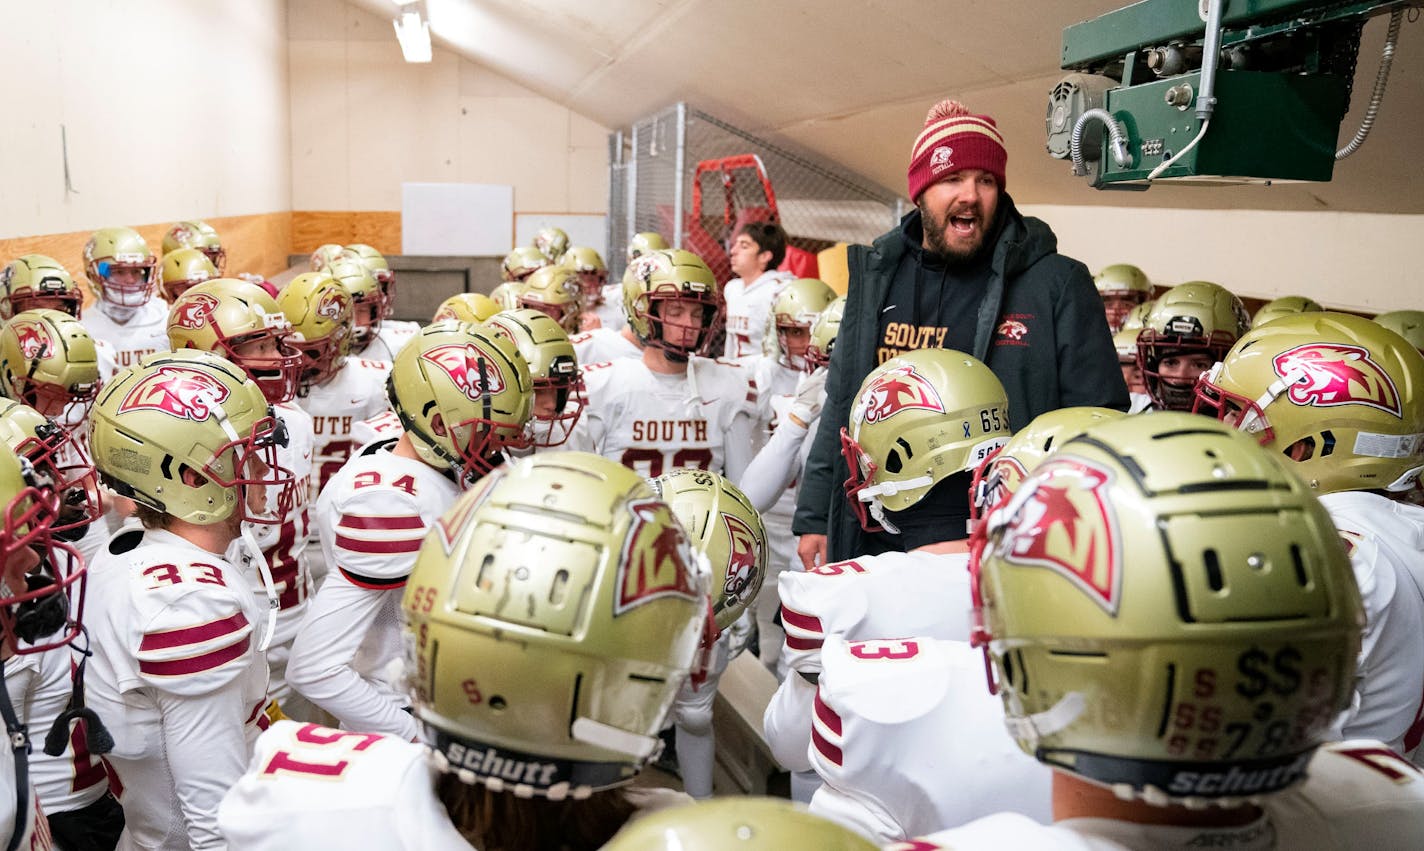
<point>965,224</point>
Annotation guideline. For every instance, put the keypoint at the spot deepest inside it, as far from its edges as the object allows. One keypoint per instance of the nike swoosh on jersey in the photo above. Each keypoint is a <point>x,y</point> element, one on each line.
<point>888,309</point>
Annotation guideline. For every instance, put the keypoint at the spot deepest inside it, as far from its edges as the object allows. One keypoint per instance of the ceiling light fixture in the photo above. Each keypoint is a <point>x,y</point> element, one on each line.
<point>413,33</point>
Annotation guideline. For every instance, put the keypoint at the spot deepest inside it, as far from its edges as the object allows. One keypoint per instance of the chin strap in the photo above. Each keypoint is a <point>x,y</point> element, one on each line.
<point>255,555</point>
<point>20,744</point>
<point>96,735</point>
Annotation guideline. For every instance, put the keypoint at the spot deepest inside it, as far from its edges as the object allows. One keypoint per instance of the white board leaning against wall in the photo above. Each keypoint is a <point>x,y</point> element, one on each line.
<point>457,219</point>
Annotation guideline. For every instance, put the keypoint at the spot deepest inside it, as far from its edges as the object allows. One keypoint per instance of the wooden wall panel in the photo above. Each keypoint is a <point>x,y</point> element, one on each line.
<point>380,229</point>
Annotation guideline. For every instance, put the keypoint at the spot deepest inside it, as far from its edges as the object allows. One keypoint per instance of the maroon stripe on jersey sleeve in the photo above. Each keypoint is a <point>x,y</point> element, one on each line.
<point>372,583</point>
<point>802,643</point>
<point>810,623</point>
<point>389,547</point>
<point>381,522</point>
<point>826,749</point>
<point>827,715</point>
<point>170,638</point>
<point>195,664</point>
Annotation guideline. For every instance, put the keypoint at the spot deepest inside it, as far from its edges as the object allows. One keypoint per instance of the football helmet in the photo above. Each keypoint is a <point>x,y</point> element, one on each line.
<point>554,290</point>
<point>799,305</point>
<point>1125,341</point>
<point>823,333</point>
<point>1137,318</point>
<point>1122,287</point>
<point>1197,317</point>
<point>1000,474</point>
<point>553,371</point>
<point>119,267</point>
<point>34,281</point>
<point>183,268</point>
<point>1169,612</point>
<point>552,242</point>
<point>506,295</point>
<point>59,460</point>
<point>575,590</point>
<point>327,254</point>
<point>1408,324</point>
<point>1284,306</point>
<point>231,317</point>
<point>187,433</point>
<point>736,824</point>
<point>48,361</point>
<point>41,579</point>
<point>724,527</point>
<point>199,235</point>
<point>381,270</point>
<point>368,302</point>
<point>662,276</point>
<point>522,262</point>
<point>592,273</point>
<point>916,419</point>
<point>1337,395</point>
<point>467,307</point>
<point>319,309</point>
<point>644,242</point>
<point>463,394</point>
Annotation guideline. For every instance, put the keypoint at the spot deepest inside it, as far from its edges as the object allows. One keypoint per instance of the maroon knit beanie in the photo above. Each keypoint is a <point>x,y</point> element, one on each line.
<point>953,140</point>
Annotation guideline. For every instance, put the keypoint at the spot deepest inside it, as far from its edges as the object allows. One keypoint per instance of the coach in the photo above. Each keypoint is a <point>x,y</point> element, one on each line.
<point>964,270</point>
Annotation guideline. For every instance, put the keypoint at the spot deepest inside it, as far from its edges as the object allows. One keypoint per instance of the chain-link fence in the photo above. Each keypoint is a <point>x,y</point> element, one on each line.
<point>695,179</point>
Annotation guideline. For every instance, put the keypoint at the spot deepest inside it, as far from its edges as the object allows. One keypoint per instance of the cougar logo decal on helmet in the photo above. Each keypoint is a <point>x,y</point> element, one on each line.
<point>743,545</point>
<point>1326,375</point>
<point>900,389</point>
<point>194,311</point>
<point>471,368</point>
<point>661,567</point>
<point>34,340</point>
<point>332,304</point>
<point>184,393</point>
<point>1055,529</point>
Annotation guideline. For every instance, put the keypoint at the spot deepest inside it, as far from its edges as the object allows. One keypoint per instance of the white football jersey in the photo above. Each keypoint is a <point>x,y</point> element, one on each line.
<point>653,422</point>
<point>371,518</point>
<point>601,344</point>
<point>393,335</point>
<point>177,678</point>
<point>610,313</point>
<point>1385,539</point>
<point>1356,795</point>
<point>871,597</point>
<point>40,686</point>
<point>384,426</point>
<point>749,311</point>
<point>356,392</point>
<point>894,718</point>
<point>146,332</point>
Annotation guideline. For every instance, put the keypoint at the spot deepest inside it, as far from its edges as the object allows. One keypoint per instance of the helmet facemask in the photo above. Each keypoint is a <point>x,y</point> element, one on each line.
<point>58,458</point>
<point>275,368</point>
<point>711,318</point>
<point>1171,393</point>
<point>51,293</point>
<point>591,283</point>
<point>553,429</point>
<point>368,309</point>
<point>42,609</point>
<point>386,278</point>
<point>249,464</point>
<point>862,473</point>
<point>792,334</point>
<point>136,284</point>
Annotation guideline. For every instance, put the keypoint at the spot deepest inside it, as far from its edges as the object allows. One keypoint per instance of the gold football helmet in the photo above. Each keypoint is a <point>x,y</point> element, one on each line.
<point>552,242</point>
<point>467,307</point>
<point>1170,613</point>
<point>368,302</point>
<point>645,242</point>
<point>48,361</point>
<point>34,281</point>
<point>554,290</point>
<point>1284,306</point>
<point>319,309</point>
<point>673,275</point>
<point>119,267</point>
<point>381,270</point>
<point>794,311</point>
<point>823,333</point>
<point>187,433</point>
<point>1195,318</point>
<point>1122,287</point>
<point>1137,318</point>
<point>59,460</point>
<point>463,394</point>
<point>726,528</point>
<point>917,419</point>
<point>1338,395</point>
<point>506,295</point>
<point>736,823</point>
<point>592,273</point>
<point>1000,474</point>
<point>565,564</point>
<point>183,268</point>
<point>199,235</point>
<point>244,324</point>
<point>1408,324</point>
<point>523,262</point>
<point>553,370</point>
<point>327,254</point>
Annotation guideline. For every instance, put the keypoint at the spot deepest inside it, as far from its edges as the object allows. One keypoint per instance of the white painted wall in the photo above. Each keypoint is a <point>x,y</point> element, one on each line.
<point>1360,261</point>
<point>172,110</point>
<point>364,121</point>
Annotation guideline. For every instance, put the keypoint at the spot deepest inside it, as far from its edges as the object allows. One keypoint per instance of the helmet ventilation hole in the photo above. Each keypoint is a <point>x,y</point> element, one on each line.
<point>1214,579</point>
